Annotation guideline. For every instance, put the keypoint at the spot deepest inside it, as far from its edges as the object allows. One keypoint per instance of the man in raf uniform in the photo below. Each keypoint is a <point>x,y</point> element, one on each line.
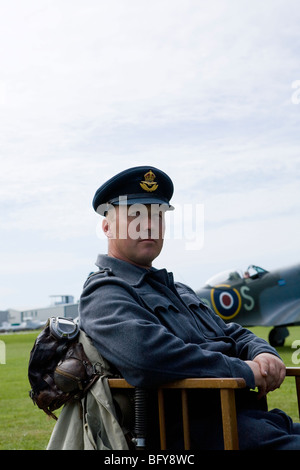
<point>155,330</point>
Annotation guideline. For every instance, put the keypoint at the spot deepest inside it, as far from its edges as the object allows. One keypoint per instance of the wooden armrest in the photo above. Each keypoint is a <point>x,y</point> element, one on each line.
<point>119,383</point>
<point>293,371</point>
<point>189,383</point>
<point>206,383</point>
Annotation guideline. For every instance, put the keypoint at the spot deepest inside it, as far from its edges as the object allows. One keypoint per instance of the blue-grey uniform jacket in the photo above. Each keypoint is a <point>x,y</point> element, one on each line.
<point>154,330</point>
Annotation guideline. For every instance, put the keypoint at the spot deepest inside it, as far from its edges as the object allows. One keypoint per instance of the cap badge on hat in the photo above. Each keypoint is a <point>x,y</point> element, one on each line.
<point>149,184</point>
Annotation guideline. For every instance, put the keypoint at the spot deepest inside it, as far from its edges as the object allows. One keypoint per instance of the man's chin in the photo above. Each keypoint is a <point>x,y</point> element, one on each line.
<point>147,251</point>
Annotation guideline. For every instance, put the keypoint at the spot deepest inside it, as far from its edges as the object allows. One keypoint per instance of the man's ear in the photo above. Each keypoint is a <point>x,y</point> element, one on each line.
<point>106,228</point>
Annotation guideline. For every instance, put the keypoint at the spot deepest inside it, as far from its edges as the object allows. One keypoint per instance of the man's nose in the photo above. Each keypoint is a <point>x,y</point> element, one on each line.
<point>146,223</point>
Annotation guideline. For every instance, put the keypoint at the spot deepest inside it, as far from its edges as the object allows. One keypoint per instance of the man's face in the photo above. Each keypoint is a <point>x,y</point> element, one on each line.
<point>135,232</point>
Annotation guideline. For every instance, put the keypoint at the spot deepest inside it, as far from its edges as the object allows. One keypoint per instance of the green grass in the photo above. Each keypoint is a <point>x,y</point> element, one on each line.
<point>23,426</point>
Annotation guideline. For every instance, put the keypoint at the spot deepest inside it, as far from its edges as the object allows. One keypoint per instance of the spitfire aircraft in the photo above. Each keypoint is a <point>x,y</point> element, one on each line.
<point>256,297</point>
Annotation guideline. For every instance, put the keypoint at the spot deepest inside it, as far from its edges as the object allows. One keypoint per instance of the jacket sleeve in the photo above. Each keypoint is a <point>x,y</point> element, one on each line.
<point>144,351</point>
<point>248,344</point>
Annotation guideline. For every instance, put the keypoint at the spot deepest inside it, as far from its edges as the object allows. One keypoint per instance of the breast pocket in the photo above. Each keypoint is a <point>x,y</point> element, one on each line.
<point>203,316</point>
<point>170,315</point>
<point>158,303</point>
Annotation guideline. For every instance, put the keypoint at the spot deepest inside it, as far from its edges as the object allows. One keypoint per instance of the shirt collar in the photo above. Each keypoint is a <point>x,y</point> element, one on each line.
<point>133,274</point>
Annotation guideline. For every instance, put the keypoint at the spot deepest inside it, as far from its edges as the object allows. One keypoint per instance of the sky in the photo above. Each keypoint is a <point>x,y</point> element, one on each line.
<point>209,92</point>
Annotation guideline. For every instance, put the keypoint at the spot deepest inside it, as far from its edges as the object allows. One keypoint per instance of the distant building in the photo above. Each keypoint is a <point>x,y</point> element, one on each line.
<point>62,306</point>
<point>9,315</point>
<point>4,316</point>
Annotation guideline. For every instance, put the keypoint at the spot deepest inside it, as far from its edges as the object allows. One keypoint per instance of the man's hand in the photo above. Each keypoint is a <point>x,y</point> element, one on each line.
<point>269,372</point>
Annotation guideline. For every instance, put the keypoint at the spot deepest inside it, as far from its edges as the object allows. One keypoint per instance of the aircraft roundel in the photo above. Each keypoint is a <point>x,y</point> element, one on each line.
<point>226,301</point>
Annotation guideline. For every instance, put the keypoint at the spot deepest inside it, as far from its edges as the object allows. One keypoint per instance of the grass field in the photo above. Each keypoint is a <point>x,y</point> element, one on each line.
<point>23,426</point>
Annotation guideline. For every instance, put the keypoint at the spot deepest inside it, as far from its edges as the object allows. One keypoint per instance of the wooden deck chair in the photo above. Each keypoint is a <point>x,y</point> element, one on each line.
<point>227,387</point>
